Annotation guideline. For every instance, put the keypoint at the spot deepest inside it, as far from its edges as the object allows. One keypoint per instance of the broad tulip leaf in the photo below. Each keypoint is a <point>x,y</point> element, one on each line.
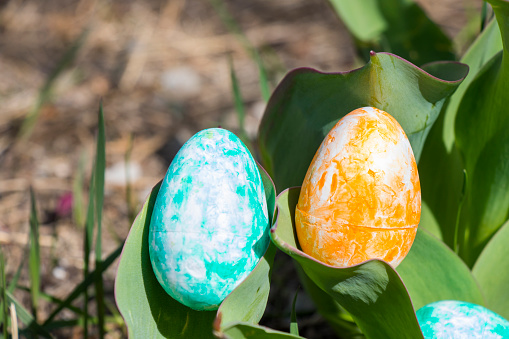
<point>340,320</point>
<point>372,292</point>
<point>492,272</point>
<point>397,26</point>
<point>247,302</point>
<point>484,48</point>
<point>440,166</point>
<point>432,272</point>
<point>428,221</point>
<point>307,104</point>
<point>364,19</point>
<point>149,312</point>
<point>251,331</point>
<point>482,137</point>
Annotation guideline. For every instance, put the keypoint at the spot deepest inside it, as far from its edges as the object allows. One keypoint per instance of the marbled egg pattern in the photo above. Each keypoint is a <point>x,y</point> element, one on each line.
<point>361,196</point>
<point>209,227</point>
<point>460,320</point>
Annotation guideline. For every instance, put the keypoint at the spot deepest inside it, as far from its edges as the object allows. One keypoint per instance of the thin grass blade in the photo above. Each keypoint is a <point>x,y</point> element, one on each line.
<point>78,207</point>
<point>5,314</point>
<point>89,280</point>
<point>26,318</point>
<point>14,321</point>
<point>235,29</point>
<point>55,300</point>
<point>239,102</point>
<point>34,262</point>
<point>263,78</point>
<point>100,168</point>
<point>45,92</point>
<point>55,325</point>
<point>89,234</point>
<point>131,206</point>
<point>13,284</point>
<point>15,278</point>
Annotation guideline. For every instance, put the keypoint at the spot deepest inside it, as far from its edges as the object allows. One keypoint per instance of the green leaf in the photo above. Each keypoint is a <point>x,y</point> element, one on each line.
<point>428,221</point>
<point>484,14</point>
<point>492,272</point>
<point>251,331</point>
<point>482,137</point>
<point>371,292</point>
<point>247,302</point>
<point>441,166</point>
<point>149,312</point>
<point>340,320</point>
<point>487,44</point>
<point>397,26</point>
<point>432,272</point>
<point>307,104</point>
<point>362,18</point>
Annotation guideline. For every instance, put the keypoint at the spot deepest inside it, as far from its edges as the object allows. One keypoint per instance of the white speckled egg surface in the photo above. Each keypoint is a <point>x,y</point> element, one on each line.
<point>461,320</point>
<point>209,226</point>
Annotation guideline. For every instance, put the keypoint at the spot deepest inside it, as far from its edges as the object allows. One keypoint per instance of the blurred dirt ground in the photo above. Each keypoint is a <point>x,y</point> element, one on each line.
<point>161,69</point>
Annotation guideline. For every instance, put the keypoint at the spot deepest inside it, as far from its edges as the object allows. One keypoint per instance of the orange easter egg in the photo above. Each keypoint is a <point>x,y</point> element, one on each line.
<point>361,197</point>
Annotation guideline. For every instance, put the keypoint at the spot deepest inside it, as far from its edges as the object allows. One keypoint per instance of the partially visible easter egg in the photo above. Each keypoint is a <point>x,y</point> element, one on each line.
<point>209,226</point>
<point>458,319</point>
<point>361,197</point>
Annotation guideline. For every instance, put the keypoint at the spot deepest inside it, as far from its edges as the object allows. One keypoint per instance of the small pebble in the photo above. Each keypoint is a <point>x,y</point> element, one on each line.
<point>59,273</point>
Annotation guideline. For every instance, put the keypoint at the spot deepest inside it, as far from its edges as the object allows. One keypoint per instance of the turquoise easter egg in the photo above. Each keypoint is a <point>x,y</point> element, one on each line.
<point>209,226</point>
<point>459,319</point>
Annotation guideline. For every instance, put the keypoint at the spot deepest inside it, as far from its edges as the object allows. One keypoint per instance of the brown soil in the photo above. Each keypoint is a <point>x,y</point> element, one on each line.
<point>161,70</point>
